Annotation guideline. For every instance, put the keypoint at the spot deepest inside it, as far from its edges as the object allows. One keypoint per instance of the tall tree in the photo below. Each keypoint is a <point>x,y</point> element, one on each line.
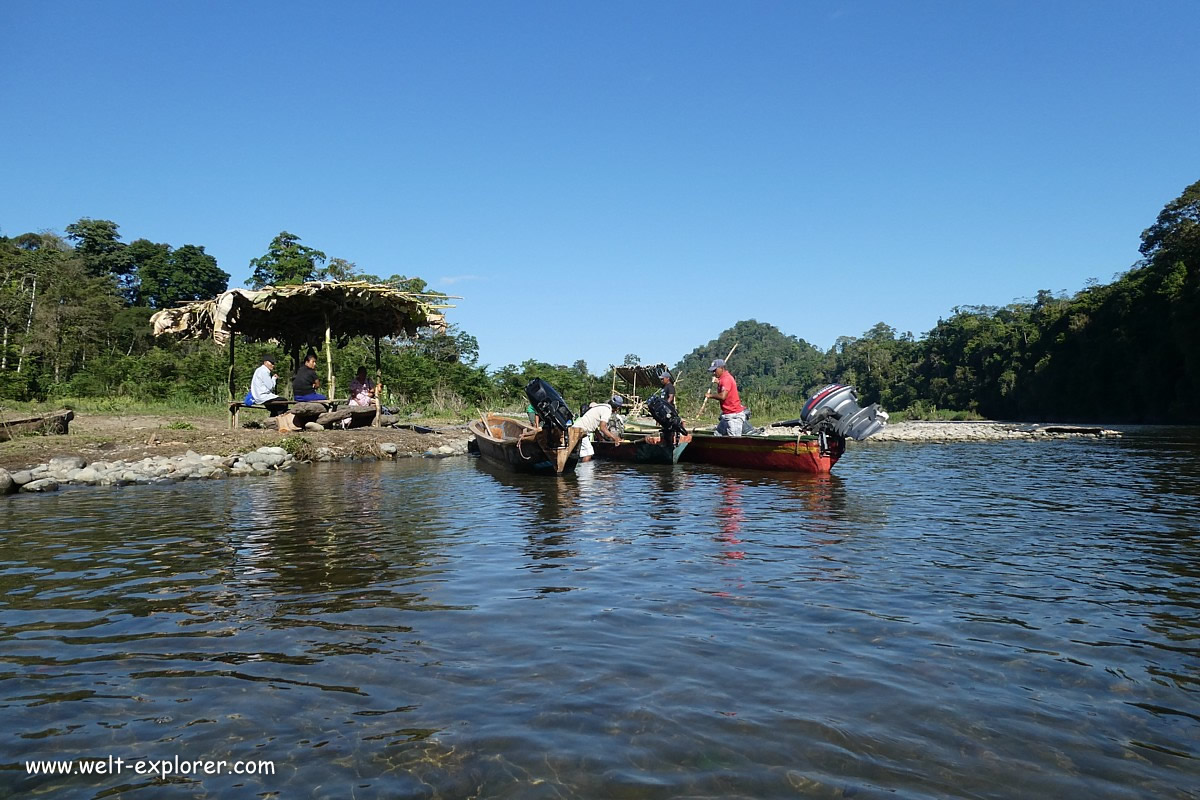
<point>99,247</point>
<point>165,276</point>
<point>286,262</point>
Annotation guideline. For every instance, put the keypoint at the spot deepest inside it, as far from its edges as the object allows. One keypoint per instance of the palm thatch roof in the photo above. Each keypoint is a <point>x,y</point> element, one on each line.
<point>640,374</point>
<point>300,314</point>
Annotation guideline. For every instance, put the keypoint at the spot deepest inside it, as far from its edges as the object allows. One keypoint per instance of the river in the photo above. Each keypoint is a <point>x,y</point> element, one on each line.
<point>1007,619</point>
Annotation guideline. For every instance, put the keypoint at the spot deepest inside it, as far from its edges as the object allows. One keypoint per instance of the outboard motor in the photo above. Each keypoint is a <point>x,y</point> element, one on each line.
<point>665,415</point>
<point>835,409</point>
<point>549,404</point>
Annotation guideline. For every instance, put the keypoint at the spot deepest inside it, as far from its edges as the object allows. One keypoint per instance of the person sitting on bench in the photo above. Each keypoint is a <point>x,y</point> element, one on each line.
<point>362,390</point>
<point>262,388</point>
<point>305,382</point>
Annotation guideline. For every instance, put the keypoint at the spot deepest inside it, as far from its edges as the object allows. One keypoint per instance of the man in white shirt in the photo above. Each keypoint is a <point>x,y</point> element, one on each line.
<point>596,418</point>
<point>262,385</point>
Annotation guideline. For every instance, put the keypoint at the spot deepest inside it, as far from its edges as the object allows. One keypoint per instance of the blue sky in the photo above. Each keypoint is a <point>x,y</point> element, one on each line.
<point>609,178</point>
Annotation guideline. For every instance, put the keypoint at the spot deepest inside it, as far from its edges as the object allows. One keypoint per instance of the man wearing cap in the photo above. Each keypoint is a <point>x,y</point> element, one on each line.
<point>668,385</point>
<point>733,413</point>
<point>596,418</point>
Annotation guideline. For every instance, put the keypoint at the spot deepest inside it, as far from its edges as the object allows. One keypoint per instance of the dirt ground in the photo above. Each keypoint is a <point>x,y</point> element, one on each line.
<point>133,437</point>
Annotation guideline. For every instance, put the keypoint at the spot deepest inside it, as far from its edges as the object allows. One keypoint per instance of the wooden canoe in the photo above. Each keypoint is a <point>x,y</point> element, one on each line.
<point>523,448</point>
<point>781,453</point>
<point>57,423</point>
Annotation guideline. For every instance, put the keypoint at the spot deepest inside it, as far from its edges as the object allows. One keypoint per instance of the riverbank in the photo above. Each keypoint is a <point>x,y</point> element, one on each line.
<point>118,449</point>
<point>134,437</point>
<point>975,431</point>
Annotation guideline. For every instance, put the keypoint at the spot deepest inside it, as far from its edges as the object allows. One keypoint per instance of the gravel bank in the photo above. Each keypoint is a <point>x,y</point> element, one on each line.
<point>982,431</point>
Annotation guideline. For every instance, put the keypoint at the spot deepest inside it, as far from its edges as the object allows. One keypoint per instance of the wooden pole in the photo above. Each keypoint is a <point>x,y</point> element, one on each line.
<point>329,362</point>
<point>233,412</point>
<point>232,376</point>
<point>295,353</point>
<point>378,386</point>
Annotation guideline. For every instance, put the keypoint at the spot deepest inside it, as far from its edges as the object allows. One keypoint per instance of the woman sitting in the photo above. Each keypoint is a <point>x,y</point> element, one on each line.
<point>362,391</point>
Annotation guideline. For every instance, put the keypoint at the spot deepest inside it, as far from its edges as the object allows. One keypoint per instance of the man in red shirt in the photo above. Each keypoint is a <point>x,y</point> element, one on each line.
<point>733,413</point>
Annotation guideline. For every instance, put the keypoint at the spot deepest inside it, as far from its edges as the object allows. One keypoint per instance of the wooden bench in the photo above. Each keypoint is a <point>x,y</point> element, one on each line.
<point>323,412</point>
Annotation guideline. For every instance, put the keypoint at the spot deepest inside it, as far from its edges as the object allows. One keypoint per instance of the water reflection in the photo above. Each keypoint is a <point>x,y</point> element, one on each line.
<point>433,628</point>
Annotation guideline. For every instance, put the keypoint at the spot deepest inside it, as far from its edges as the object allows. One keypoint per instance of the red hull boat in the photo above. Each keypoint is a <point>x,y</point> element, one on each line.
<point>781,453</point>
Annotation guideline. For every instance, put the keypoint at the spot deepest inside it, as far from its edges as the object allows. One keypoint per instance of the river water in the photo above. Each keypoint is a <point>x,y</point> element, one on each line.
<point>1010,619</point>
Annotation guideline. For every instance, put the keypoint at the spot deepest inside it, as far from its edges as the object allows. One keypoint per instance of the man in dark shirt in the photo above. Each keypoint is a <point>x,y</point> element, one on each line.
<point>305,382</point>
<point>668,385</point>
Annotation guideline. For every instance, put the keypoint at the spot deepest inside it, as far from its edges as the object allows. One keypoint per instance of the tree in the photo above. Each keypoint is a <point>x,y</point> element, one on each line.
<point>1175,235</point>
<point>98,245</point>
<point>631,360</point>
<point>165,276</point>
<point>339,269</point>
<point>287,262</point>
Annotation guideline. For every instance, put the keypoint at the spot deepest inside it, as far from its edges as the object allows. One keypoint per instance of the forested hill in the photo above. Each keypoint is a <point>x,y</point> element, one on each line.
<point>1124,351</point>
<point>766,361</point>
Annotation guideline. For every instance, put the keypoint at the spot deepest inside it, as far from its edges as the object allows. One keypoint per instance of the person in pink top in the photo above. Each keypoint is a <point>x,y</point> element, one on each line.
<point>362,390</point>
<point>733,413</point>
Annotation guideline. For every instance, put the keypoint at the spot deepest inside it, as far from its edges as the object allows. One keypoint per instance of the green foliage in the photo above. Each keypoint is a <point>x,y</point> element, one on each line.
<point>74,327</point>
<point>286,262</point>
<point>98,246</point>
<point>767,364</point>
<point>180,425</point>
<point>166,277</point>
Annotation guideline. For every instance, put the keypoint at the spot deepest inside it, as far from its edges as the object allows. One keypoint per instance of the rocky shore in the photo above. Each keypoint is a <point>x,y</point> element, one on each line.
<point>985,431</point>
<point>118,451</point>
<point>141,451</point>
<point>980,431</point>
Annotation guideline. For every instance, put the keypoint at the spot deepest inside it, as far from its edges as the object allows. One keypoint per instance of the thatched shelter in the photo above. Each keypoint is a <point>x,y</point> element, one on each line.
<point>308,315</point>
<point>629,380</point>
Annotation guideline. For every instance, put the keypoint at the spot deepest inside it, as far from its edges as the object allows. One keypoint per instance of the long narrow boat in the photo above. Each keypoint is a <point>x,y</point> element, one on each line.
<point>642,448</point>
<point>803,453</point>
<point>523,448</point>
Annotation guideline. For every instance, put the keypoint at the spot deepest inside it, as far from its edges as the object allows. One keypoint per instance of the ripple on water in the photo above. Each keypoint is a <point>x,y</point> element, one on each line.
<point>1005,619</point>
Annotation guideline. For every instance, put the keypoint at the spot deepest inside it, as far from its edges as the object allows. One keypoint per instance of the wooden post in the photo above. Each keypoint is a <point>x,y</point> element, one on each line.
<point>295,352</point>
<point>329,362</point>
<point>378,386</point>
<point>233,412</point>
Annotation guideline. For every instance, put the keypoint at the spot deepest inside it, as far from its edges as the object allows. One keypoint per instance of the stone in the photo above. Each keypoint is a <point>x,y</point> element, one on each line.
<point>273,451</point>
<point>87,475</point>
<point>22,477</point>
<point>388,448</point>
<point>67,462</point>
<point>43,485</point>
<point>314,427</point>
<point>7,484</point>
